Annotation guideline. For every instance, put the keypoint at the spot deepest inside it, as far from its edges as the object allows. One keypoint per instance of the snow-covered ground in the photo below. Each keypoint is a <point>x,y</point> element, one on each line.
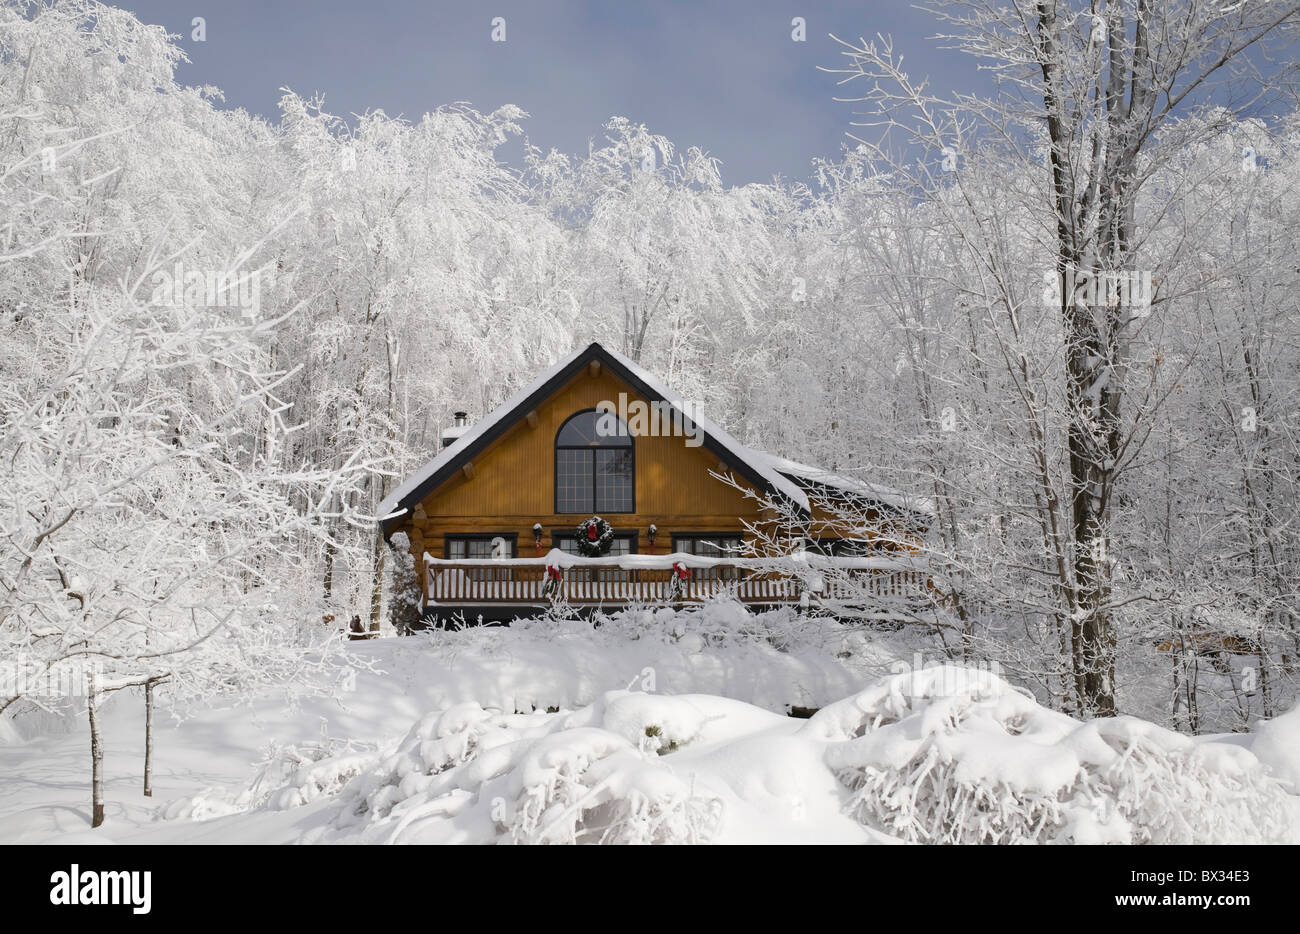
<point>662,728</point>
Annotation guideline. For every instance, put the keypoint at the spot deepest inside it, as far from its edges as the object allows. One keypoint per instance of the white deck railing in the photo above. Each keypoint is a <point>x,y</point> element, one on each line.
<point>656,579</point>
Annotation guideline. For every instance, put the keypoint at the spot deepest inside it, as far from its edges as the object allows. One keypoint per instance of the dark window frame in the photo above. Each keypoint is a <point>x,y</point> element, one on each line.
<point>512,537</point>
<point>605,574</point>
<point>478,573</point>
<point>728,574</point>
<point>556,448</point>
<point>678,536</point>
<point>819,546</point>
<point>634,534</point>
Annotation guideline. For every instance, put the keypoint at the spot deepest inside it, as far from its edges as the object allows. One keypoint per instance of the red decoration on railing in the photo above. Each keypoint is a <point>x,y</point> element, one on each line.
<point>677,584</point>
<point>554,577</point>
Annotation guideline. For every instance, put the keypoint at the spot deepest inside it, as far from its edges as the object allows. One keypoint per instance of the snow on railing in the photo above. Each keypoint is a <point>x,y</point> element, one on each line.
<point>562,559</point>
<point>656,578</point>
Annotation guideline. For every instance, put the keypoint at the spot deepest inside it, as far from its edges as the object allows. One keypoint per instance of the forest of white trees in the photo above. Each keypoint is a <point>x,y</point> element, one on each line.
<point>223,340</point>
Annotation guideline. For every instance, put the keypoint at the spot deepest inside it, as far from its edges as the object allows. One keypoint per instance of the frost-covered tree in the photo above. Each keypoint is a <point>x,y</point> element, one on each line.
<point>1101,93</point>
<point>148,519</point>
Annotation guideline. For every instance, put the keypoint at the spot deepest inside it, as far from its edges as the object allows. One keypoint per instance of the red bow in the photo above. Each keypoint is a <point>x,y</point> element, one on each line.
<point>553,573</point>
<point>591,532</point>
<point>681,570</point>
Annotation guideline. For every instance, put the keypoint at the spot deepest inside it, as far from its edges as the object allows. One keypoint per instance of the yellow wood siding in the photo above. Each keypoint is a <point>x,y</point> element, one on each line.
<point>512,484</point>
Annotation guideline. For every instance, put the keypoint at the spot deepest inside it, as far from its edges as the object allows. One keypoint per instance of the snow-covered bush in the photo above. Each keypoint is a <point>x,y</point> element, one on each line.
<point>939,755</point>
<point>954,755</point>
<point>586,777</point>
<point>288,776</point>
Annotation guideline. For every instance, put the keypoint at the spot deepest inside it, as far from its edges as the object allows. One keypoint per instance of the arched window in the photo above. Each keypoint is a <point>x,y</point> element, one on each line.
<point>594,465</point>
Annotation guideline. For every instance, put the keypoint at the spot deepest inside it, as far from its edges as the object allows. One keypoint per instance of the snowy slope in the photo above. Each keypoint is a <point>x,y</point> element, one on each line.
<point>668,729</point>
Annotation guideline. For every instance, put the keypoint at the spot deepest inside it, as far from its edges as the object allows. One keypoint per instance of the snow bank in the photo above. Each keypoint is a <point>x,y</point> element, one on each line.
<point>1277,744</point>
<point>591,776</point>
<point>774,660</point>
<point>942,755</point>
<point>468,775</point>
<point>951,755</point>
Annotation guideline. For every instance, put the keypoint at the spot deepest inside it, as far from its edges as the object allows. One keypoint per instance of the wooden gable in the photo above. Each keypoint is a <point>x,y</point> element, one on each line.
<point>509,484</point>
<point>515,475</point>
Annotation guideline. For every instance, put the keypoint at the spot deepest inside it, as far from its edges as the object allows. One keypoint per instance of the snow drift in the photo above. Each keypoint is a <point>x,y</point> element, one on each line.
<point>953,755</point>
<point>942,755</point>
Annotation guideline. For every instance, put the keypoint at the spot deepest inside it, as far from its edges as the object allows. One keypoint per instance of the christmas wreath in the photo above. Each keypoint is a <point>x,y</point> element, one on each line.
<point>595,536</point>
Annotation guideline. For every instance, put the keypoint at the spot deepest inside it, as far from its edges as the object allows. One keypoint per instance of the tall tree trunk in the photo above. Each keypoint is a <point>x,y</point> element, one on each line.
<point>1091,378</point>
<point>96,755</point>
<point>148,736</point>
<point>377,582</point>
<point>379,483</point>
<point>327,578</point>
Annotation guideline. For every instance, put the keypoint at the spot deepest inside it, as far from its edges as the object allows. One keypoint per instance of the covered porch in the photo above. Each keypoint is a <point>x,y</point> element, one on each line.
<point>885,587</point>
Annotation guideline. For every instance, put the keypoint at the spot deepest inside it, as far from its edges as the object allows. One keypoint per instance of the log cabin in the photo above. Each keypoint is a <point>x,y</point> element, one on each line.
<point>492,519</point>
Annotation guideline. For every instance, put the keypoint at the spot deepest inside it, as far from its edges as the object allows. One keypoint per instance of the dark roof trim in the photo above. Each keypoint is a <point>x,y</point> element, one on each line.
<point>506,422</point>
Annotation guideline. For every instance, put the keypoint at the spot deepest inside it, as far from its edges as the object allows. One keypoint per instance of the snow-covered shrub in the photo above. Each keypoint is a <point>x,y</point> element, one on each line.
<point>953,755</point>
<point>590,776</point>
<point>938,755</point>
<point>287,777</point>
<point>294,775</point>
<point>592,786</point>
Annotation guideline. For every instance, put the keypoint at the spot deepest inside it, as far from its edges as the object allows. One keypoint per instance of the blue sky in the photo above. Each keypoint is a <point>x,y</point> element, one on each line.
<point>725,76</point>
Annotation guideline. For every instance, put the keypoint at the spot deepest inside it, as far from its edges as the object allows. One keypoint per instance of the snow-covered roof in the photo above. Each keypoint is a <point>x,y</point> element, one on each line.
<point>711,429</point>
<point>858,487</point>
<point>777,474</point>
<point>392,504</point>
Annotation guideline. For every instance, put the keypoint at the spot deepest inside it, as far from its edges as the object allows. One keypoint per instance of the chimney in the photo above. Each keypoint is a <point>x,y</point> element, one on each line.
<point>460,425</point>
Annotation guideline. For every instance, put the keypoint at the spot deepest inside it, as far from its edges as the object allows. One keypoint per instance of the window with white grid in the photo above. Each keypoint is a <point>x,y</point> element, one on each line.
<point>624,543</point>
<point>594,465</point>
<point>486,547</point>
<point>711,545</point>
<point>574,491</point>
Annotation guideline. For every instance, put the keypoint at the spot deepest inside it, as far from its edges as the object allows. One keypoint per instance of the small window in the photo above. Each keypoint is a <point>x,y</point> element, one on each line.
<point>711,545</point>
<point>624,543</point>
<point>484,547</point>
<point>480,547</point>
<point>841,547</point>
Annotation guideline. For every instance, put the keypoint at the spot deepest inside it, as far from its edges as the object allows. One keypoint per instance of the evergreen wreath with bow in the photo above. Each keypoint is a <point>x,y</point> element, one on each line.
<point>595,536</point>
